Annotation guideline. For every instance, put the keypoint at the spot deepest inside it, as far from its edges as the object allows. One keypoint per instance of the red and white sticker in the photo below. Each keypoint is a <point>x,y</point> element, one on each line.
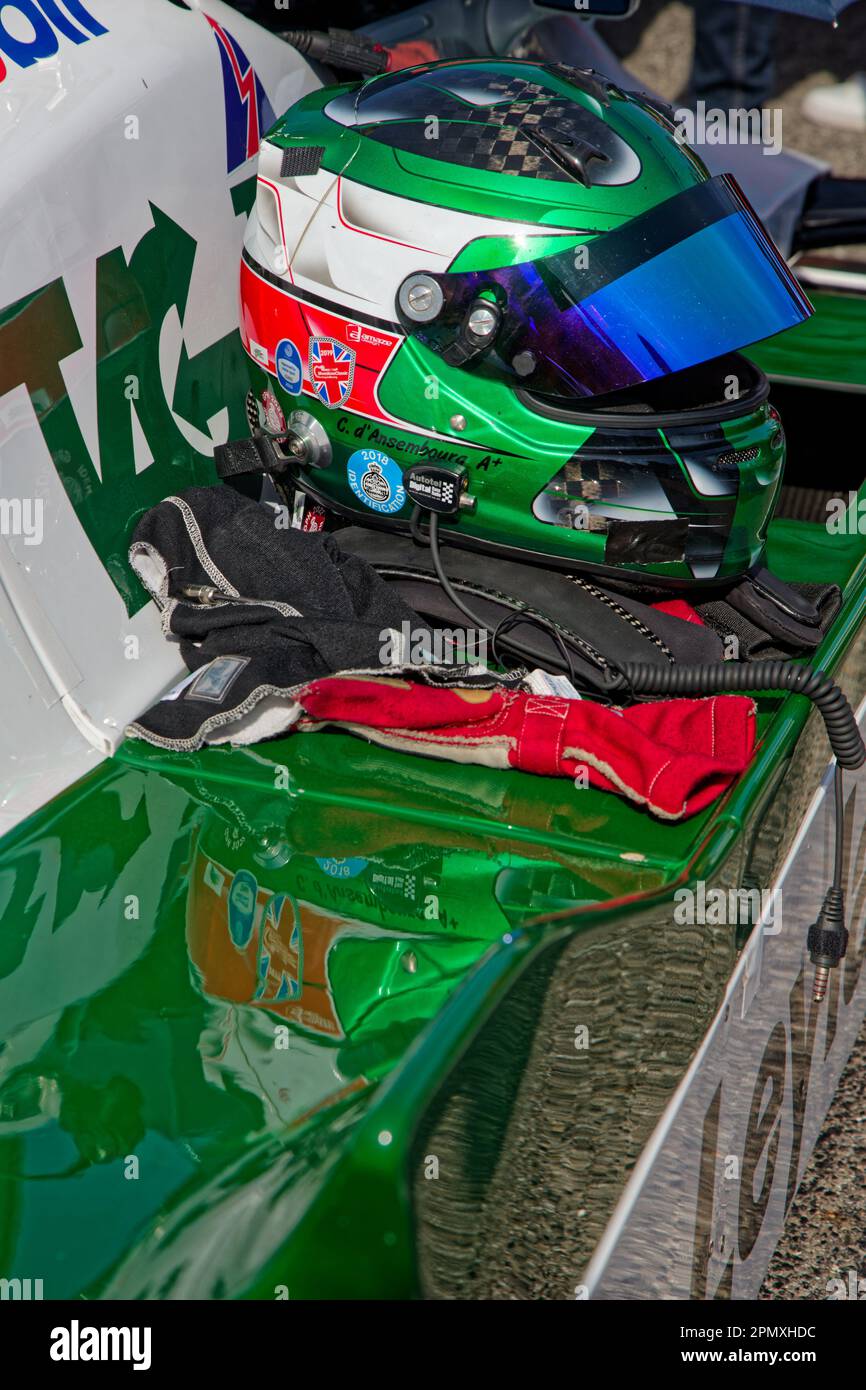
<point>275,420</point>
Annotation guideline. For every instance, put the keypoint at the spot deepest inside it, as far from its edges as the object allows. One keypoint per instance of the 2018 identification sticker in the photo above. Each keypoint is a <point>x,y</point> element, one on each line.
<point>376,480</point>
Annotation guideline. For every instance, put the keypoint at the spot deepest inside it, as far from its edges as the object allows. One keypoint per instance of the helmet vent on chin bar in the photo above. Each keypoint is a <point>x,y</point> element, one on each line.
<point>734,457</point>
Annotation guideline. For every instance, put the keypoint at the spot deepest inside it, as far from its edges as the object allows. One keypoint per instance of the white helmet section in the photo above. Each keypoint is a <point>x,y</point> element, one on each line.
<point>355,245</point>
<point>128,132</point>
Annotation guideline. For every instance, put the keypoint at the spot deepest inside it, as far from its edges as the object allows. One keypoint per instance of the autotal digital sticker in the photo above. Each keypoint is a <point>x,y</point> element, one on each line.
<point>376,480</point>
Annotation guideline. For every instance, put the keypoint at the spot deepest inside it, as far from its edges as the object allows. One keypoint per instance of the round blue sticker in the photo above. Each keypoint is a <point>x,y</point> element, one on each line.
<point>289,367</point>
<point>242,899</point>
<point>342,868</point>
<point>376,480</point>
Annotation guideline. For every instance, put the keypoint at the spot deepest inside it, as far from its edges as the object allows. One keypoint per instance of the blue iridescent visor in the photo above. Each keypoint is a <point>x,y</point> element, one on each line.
<point>693,278</point>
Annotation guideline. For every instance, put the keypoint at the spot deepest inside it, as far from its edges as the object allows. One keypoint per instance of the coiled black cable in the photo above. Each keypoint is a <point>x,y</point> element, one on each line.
<point>716,678</point>
<point>713,678</point>
<point>839,857</point>
<point>501,632</point>
<point>827,938</point>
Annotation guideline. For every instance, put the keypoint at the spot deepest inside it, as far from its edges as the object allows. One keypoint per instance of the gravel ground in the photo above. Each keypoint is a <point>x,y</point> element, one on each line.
<point>825,1236</point>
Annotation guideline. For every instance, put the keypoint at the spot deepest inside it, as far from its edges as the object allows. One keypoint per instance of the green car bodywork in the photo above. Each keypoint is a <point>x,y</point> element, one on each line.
<point>229,1114</point>
<point>827,350</point>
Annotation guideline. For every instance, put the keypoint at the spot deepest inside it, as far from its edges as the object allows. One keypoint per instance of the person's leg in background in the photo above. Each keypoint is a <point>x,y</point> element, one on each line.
<point>733,63</point>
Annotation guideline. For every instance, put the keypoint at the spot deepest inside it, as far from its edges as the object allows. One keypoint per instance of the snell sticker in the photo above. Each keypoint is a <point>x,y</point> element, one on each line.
<point>289,367</point>
<point>376,480</point>
<point>242,908</point>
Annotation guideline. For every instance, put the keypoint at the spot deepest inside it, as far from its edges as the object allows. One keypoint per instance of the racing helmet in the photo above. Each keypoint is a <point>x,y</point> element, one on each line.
<point>507,284</point>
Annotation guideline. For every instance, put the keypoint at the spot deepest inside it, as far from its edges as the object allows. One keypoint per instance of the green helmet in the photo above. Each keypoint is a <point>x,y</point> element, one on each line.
<point>508,285</point>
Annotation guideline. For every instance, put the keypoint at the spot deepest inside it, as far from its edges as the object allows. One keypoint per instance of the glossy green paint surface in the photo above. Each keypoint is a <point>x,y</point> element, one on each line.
<point>828,349</point>
<point>668,167</point>
<point>236,981</point>
<point>141,1030</point>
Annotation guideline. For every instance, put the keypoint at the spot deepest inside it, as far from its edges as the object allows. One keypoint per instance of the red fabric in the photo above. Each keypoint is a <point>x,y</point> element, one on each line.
<point>406,55</point>
<point>678,608</point>
<point>673,756</point>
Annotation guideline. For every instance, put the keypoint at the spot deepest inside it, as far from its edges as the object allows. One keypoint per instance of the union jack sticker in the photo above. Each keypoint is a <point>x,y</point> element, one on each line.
<point>332,371</point>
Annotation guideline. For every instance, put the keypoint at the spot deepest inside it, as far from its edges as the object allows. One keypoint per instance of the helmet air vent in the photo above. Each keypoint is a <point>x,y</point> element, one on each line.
<point>299,160</point>
<point>734,457</point>
<point>268,212</point>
